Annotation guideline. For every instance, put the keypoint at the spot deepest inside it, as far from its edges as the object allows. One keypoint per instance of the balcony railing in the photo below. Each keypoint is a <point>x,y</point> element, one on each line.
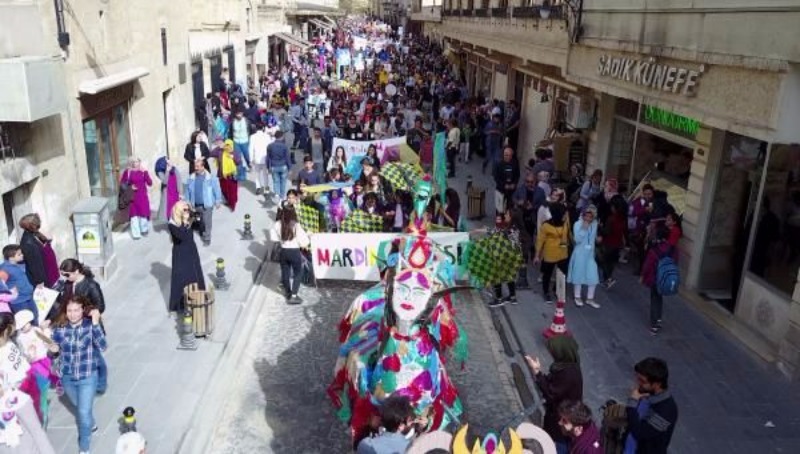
<point>555,12</point>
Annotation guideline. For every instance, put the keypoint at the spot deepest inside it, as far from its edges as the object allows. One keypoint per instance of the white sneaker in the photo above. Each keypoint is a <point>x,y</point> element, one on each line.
<point>578,302</point>
<point>593,304</point>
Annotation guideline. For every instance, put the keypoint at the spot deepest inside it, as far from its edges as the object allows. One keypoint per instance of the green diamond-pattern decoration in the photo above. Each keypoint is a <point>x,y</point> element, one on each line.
<point>401,175</point>
<point>362,222</point>
<point>494,260</point>
<point>310,218</point>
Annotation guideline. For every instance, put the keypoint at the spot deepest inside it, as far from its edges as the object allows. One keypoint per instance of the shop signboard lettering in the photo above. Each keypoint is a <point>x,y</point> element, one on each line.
<point>649,73</point>
<point>670,121</point>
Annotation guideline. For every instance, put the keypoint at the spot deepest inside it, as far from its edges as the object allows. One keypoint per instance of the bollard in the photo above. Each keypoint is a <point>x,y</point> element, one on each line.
<point>220,282</point>
<point>247,234</point>
<point>127,423</point>
<point>469,183</point>
<point>187,332</point>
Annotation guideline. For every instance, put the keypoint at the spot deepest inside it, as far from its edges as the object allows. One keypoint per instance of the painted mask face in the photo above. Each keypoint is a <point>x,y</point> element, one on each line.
<point>412,291</point>
<point>422,196</point>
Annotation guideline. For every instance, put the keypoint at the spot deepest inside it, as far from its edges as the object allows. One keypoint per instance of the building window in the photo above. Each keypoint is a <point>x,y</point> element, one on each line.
<point>164,45</point>
<point>775,255</point>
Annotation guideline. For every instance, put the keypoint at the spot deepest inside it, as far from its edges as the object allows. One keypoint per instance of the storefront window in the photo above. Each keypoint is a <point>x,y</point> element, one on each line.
<point>621,154</point>
<point>776,247</point>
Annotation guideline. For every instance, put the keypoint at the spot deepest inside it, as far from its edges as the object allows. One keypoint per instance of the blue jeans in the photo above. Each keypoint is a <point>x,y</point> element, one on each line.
<point>81,393</point>
<point>243,150</point>
<point>17,306</point>
<point>562,448</point>
<point>279,180</point>
<point>139,226</point>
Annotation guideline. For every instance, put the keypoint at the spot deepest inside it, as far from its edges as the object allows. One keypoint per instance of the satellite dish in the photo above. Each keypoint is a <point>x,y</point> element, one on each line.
<point>390,89</point>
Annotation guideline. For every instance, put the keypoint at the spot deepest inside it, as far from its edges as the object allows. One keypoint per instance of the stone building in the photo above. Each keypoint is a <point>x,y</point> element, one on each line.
<point>87,85</point>
<point>701,98</point>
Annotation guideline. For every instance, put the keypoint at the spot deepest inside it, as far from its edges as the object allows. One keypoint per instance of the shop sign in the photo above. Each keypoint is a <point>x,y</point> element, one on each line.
<point>91,105</point>
<point>670,121</point>
<point>650,74</point>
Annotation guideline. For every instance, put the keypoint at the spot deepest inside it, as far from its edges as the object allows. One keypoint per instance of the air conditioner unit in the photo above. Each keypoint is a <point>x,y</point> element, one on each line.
<point>580,111</point>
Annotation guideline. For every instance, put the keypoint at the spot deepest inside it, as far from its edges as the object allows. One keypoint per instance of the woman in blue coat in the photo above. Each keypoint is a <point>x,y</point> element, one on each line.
<point>582,267</point>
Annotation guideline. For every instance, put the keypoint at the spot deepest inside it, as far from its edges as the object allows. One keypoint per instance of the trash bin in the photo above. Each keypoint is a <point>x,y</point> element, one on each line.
<point>476,202</point>
<point>91,220</point>
<point>201,304</point>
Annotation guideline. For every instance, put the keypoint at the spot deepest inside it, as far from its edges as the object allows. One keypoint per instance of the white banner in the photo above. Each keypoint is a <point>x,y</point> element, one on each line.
<point>353,256</point>
<point>354,150</point>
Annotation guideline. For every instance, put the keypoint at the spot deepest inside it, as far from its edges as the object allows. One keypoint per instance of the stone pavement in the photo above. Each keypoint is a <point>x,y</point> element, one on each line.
<point>725,394</point>
<point>277,401</point>
<point>145,369</point>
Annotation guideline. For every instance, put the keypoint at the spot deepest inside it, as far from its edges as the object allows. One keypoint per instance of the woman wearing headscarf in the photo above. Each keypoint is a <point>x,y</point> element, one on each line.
<point>582,266</point>
<point>564,382</point>
<point>137,177</point>
<point>170,187</point>
<point>41,264</point>
<point>227,175</point>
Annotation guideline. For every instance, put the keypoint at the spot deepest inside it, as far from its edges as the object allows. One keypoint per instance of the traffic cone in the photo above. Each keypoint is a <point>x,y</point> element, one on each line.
<point>559,324</point>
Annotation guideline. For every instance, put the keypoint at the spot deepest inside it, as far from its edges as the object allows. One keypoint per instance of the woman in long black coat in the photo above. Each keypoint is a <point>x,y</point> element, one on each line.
<point>186,267</point>
<point>564,382</point>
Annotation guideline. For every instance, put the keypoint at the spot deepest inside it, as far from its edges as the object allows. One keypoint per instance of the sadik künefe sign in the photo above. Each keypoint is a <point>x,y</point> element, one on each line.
<point>651,74</point>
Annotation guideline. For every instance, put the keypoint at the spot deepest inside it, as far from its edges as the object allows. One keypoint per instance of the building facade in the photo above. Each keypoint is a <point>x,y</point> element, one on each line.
<point>105,81</point>
<point>700,98</point>
<point>100,82</point>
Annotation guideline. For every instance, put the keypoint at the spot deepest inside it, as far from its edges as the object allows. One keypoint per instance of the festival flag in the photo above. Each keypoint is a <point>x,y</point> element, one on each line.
<point>362,222</point>
<point>440,165</point>
<point>407,154</point>
<point>325,187</point>
<point>401,175</point>
<point>310,218</point>
<point>493,260</point>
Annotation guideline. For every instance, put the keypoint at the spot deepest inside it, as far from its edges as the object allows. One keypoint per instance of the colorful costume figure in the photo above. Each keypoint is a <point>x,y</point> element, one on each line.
<point>395,334</point>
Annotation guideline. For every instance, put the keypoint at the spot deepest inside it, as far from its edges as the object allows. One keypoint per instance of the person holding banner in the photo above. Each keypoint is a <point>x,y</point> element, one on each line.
<point>292,238</point>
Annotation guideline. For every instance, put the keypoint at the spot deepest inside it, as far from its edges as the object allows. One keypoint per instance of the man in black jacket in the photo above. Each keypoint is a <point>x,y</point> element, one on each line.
<point>651,410</point>
<point>506,177</point>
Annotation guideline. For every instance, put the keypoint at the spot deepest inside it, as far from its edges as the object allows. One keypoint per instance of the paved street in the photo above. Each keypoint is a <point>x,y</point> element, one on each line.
<point>725,395</point>
<point>146,371</point>
<point>277,401</point>
<point>273,399</point>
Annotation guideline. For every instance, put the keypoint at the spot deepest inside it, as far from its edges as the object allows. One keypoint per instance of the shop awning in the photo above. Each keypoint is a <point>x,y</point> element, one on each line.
<point>294,40</point>
<point>95,86</point>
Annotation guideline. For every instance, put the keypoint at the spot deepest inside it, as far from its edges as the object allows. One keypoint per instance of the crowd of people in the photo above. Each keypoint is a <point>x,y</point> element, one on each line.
<point>360,82</point>
<point>58,351</point>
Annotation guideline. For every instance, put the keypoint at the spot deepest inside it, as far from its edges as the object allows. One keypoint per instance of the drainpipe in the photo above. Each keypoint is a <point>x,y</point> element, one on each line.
<point>63,35</point>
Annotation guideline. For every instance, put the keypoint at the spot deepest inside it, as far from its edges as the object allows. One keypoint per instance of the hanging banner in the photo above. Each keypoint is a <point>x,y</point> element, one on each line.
<point>353,256</point>
<point>354,150</point>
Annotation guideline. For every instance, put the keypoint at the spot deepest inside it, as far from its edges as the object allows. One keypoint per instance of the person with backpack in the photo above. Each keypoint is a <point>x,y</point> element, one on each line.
<point>660,273</point>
